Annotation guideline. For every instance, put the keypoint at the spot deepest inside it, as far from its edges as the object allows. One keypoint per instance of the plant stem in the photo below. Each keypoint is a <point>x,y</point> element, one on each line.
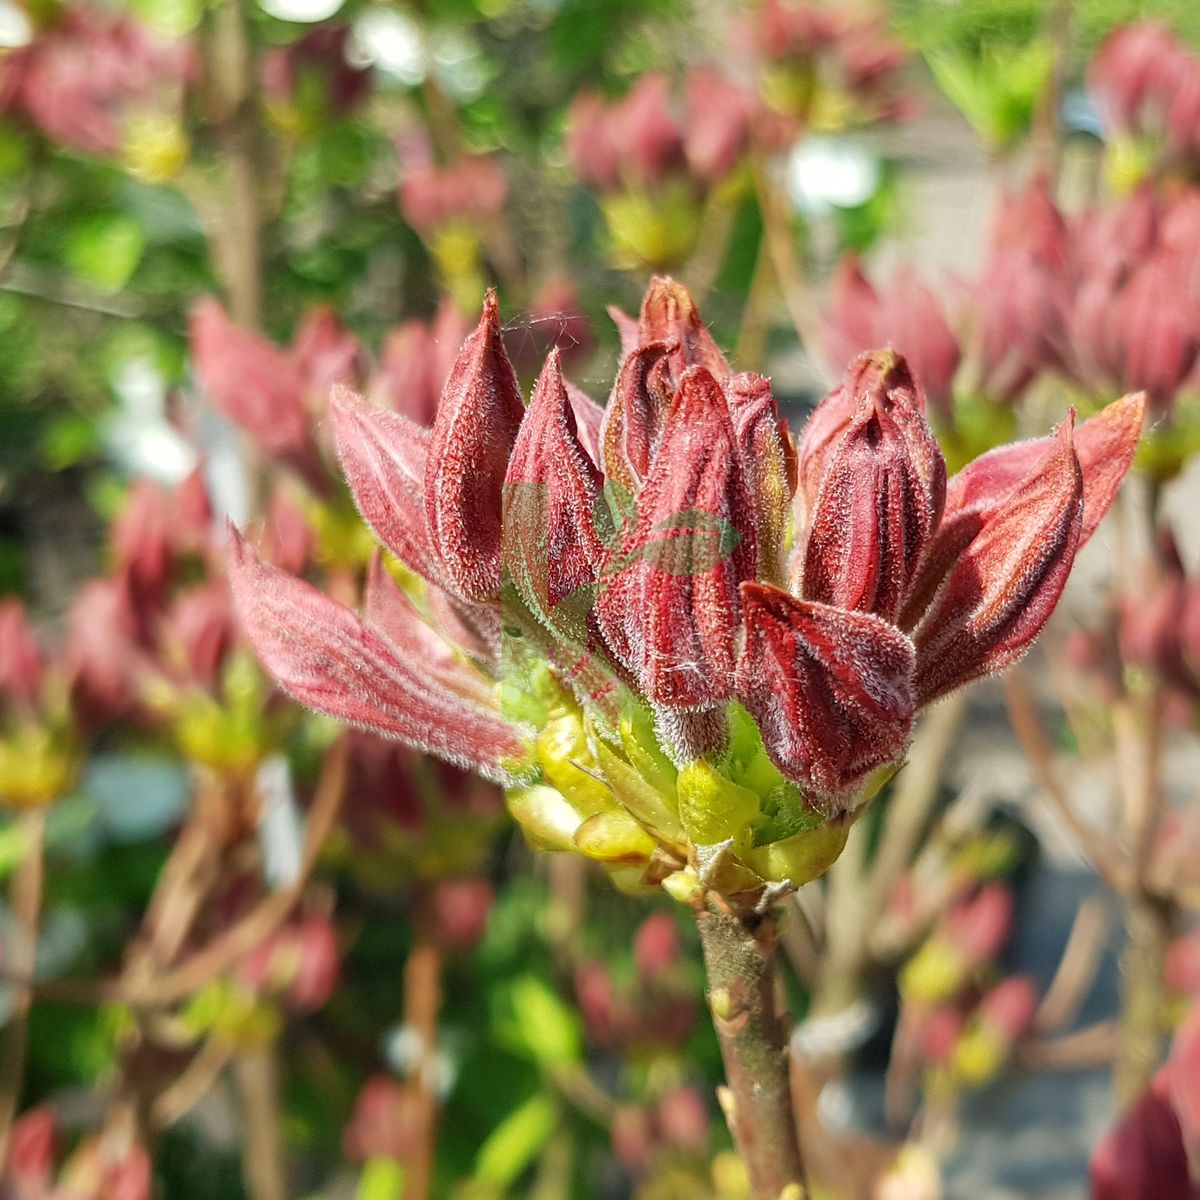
<point>1149,927</point>
<point>235,226</point>
<point>257,1073</point>
<point>739,958</point>
<point>26,899</point>
<point>422,1005</point>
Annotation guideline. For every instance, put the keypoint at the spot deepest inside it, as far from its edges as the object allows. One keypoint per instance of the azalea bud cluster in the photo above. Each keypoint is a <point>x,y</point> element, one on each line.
<point>690,648</point>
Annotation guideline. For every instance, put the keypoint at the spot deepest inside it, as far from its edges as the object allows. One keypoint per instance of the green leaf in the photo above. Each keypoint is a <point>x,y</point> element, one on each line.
<point>546,1028</point>
<point>514,1144</point>
<point>105,249</point>
<point>381,1179</point>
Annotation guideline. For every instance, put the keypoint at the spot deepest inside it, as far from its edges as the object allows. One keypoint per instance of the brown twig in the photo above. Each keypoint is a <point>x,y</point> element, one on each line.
<point>25,898</point>
<point>1076,968</point>
<point>422,1006</point>
<point>1094,1046</point>
<point>257,1073</point>
<point>739,960</point>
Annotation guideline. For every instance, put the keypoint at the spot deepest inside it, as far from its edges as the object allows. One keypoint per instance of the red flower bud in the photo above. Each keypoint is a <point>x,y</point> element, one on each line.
<point>476,426</point>
<point>669,316</point>
<point>880,500</point>
<point>1009,1008</point>
<point>830,690</point>
<point>552,547</point>
<point>384,1124</point>
<point>458,912</point>
<point>668,604</point>
<point>32,1147</point>
<point>257,385</point>
<point>979,927</point>
<point>633,421</point>
<point>20,658</point>
<point>656,945</point>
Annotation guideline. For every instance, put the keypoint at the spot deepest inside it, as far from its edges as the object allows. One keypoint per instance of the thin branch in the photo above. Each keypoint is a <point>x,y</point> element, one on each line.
<point>25,898</point>
<point>1077,967</point>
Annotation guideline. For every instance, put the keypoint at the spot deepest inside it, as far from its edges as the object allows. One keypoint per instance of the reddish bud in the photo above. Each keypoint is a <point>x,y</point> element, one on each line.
<point>327,658</point>
<point>769,463</point>
<point>100,653</point>
<point>632,423</point>
<point>32,1148</point>
<point>656,945</point>
<point>458,912</point>
<point>472,438</point>
<point>200,625</point>
<point>718,126</point>
<point>1183,1080</point>
<point>552,547</point>
<point>669,316</point>
<point>880,499</point>
<point>326,352</point>
<point>256,385</point>
<point>683,1119</point>
<point>1143,1157</point>
<point>979,927</point>
<point>829,690</point>
<point>668,603</point>
<point>385,1122</point>
<point>1009,1008</point>
<point>1006,583</point>
<point>20,658</point>
<point>416,362</point>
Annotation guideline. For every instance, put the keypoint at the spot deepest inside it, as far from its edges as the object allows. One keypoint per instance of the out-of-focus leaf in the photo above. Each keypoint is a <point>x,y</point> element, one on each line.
<point>381,1179</point>
<point>513,1145</point>
<point>543,1024</point>
<point>105,249</point>
<point>68,440</point>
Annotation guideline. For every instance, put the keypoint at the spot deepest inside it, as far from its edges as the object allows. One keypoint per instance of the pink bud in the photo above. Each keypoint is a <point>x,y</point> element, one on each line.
<point>200,624</point>
<point>326,353</point>
<point>32,1148</point>
<point>668,603</point>
<point>416,361</point>
<point>383,456</point>
<point>941,1030</point>
<point>1143,1157</point>
<point>669,315</point>
<point>880,499</point>
<point>384,1124</point>
<point>20,658</point>
<point>469,448</point>
<point>979,927</point>
<point>830,690</point>
<point>646,134</point>
<point>458,912</point>
<point>1009,1008</point>
<point>683,1119</point>
<point>656,945</point>
<point>633,421</point>
<point>318,58</point>
<point>552,546</point>
<point>718,125</point>
<point>1183,1081</point>
<point>256,385</point>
